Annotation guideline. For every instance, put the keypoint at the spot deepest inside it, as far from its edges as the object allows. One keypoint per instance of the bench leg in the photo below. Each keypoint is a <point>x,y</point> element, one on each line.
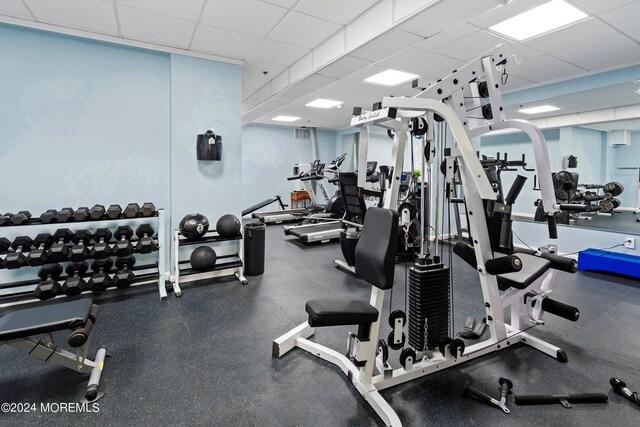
<point>92,394</point>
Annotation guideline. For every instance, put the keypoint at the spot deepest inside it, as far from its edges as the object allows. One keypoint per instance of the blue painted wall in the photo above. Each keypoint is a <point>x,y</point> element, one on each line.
<point>268,156</point>
<point>627,156</point>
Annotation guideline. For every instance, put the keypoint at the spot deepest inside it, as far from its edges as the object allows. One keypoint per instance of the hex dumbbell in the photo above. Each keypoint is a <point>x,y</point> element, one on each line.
<point>114,212</point>
<point>5,244</point>
<point>64,215</point>
<point>49,216</point>
<point>146,244</point>
<point>124,277</point>
<point>131,211</point>
<point>59,251</point>
<point>81,214</point>
<point>101,248</point>
<point>40,255</point>
<point>148,209</point>
<point>97,212</point>
<point>21,245</point>
<point>80,251</point>
<point>100,279</point>
<point>20,218</point>
<point>123,246</point>
<point>49,286</point>
<point>75,283</point>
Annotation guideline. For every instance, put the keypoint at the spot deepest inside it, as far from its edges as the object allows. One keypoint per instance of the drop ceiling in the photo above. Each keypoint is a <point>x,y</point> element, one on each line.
<point>294,51</point>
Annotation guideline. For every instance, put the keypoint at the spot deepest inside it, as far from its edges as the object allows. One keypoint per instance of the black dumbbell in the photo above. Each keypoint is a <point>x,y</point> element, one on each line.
<point>59,251</point>
<point>20,218</point>
<point>148,209</point>
<point>124,276</point>
<point>18,258</point>
<point>146,244</point>
<point>81,214</point>
<point>123,247</point>
<point>101,248</point>
<point>40,255</point>
<point>114,212</point>
<point>75,283</point>
<point>80,251</point>
<point>97,212</point>
<point>64,215</point>
<point>131,211</point>
<point>49,216</point>
<point>49,286</point>
<point>100,279</point>
<point>5,244</point>
<point>4,219</point>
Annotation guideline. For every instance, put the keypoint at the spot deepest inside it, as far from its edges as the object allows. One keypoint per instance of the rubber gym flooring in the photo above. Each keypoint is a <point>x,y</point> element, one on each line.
<point>205,358</point>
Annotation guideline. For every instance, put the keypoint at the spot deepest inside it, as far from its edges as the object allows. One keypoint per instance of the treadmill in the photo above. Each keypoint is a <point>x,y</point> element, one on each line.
<point>292,215</point>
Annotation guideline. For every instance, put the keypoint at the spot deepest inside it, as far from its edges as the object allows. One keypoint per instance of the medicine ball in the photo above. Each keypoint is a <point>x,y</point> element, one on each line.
<point>194,226</point>
<point>203,258</point>
<point>228,226</point>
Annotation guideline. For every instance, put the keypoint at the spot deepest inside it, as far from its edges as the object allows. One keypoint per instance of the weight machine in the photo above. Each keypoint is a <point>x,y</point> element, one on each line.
<point>520,282</point>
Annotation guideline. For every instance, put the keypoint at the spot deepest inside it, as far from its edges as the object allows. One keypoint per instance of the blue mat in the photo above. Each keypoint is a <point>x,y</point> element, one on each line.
<point>611,262</point>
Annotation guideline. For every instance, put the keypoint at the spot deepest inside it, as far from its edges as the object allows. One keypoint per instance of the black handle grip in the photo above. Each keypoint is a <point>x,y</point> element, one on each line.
<point>477,393</point>
<point>514,192</point>
<point>553,227</point>
<point>466,252</point>
<point>561,263</point>
<point>575,207</point>
<point>506,236</point>
<point>560,309</point>
<point>507,264</point>
<point>546,399</point>
<point>293,178</point>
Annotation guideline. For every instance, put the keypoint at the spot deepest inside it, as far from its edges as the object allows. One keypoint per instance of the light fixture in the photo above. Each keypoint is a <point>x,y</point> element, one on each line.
<point>324,103</point>
<point>390,78</point>
<point>543,19</point>
<point>637,91</point>
<point>285,118</point>
<point>539,109</point>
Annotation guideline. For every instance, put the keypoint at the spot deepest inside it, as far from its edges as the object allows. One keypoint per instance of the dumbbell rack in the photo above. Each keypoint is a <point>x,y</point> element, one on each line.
<point>232,264</point>
<point>17,292</point>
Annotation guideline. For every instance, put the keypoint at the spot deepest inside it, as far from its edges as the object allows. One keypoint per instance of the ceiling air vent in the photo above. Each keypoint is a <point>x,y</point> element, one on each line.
<point>302,134</point>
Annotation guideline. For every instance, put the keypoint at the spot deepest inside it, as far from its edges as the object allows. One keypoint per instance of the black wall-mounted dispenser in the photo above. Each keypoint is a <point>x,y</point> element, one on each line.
<point>209,146</point>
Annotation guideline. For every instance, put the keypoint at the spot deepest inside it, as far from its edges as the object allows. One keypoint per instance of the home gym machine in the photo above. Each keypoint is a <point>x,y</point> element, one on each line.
<point>520,282</point>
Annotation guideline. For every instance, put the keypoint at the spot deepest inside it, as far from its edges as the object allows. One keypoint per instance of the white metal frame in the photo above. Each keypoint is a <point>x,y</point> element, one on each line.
<point>476,188</point>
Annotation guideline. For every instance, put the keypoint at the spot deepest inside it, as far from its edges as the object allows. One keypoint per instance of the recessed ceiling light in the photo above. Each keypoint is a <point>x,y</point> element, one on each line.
<point>637,91</point>
<point>324,103</point>
<point>390,78</point>
<point>539,109</point>
<point>543,19</point>
<point>285,118</point>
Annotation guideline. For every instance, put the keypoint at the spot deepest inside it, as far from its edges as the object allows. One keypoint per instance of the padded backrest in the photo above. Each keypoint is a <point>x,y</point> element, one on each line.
<point>376,249</point>
<point>354,203</point>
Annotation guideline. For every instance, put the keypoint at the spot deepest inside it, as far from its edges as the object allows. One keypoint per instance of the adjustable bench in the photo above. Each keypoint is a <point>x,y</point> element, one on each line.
<point>18,328</point>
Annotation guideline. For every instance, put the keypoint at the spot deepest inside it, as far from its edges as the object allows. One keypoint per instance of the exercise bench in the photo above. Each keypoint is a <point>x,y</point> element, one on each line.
<point>19,329</point>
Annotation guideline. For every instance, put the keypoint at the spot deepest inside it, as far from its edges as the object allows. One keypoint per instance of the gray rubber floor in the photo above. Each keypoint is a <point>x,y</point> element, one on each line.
<point>205,358</point>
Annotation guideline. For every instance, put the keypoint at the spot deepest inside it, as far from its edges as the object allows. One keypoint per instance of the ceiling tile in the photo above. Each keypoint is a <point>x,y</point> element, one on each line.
<point>284,3</point>
<point>251,17</point>
<point>184,9</point>
<point>367,71</point>
<point>343,66</point>
<point>447,35</point>
<point>445,14</point>
<point>623,18</point>
<point>338,11</point>
<point>585,31</point>
<point>91,15</point>
<point>583,54</point>
<point>277,53</point>
<point>600,6</point>
<point>303,30</point>
<point>14,8</point>
<point>471,46</point>
<point>329,50</point>
<point>503,11</point>
<point>429,66</point>
<point>370,24</point>
<point>610,59</point>
<point>516,83</point>
<point>253,76</point>
<point>222,42</point>
<point>407,7</point>
<point>544,68</point>
<point>634,33</point>
<point>385,44</point>
<point>151,27</point>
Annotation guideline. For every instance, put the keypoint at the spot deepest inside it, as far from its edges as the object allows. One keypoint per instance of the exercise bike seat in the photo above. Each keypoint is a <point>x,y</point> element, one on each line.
<point>45,318</point>
<point>532,268</point>
<point>336,312</point>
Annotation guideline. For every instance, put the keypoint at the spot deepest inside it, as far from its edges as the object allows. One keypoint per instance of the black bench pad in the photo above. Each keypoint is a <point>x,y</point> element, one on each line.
<point>44,318</point>
<point>532,268</point>
<point>343,311</point>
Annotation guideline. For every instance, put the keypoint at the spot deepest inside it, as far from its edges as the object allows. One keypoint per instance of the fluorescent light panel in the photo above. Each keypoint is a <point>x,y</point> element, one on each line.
<point>543,19</point>
<point>324,103</point>
<point>538,110</point>
<point>285,118</point>
<point>390,78</point>
<point>637,91</point>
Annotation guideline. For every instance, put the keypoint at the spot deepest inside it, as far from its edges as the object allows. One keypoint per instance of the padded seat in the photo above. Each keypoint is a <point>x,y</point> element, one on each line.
<point>532,268</point>
<point>336,312</point>
<point>44,318</point>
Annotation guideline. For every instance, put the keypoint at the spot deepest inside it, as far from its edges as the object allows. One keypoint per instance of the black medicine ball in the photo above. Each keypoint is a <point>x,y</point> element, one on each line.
<point>228,226</point>
<point>203,258</point>
<point>194,226</point>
